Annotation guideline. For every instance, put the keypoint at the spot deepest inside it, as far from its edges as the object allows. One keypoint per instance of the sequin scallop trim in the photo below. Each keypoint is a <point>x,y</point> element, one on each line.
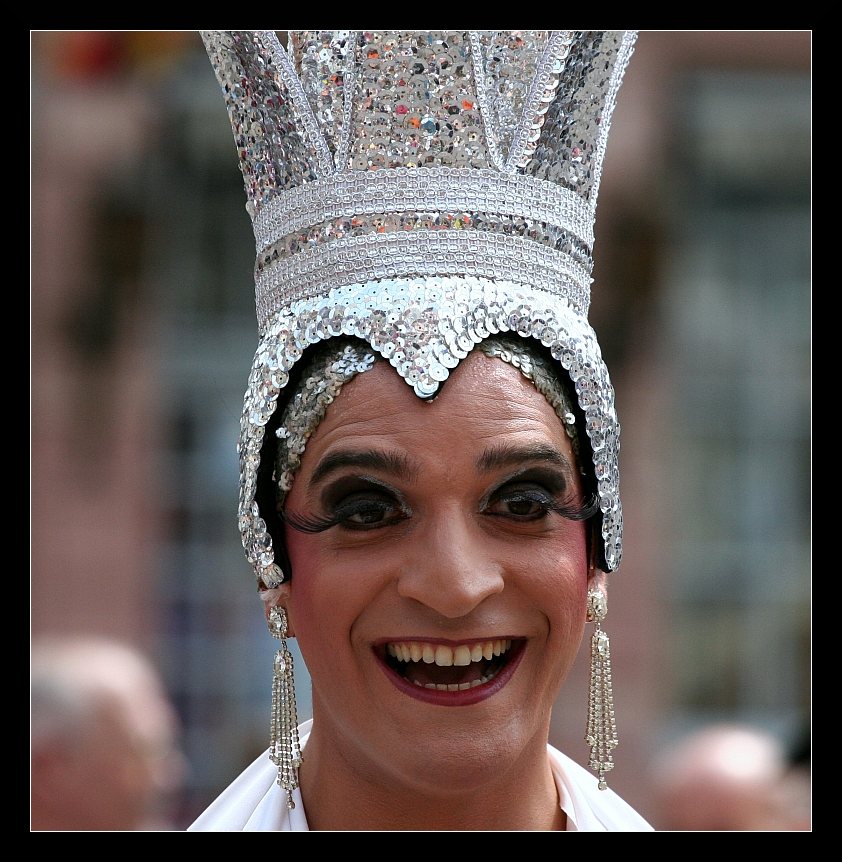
<point>424,327</point>
<point>339,361</point>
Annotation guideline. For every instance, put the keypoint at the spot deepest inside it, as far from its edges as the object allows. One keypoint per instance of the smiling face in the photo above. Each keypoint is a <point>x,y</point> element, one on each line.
<point>439,588</point>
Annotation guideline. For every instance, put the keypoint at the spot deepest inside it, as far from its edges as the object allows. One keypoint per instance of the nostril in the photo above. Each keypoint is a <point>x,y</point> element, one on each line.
<point>451,590</point>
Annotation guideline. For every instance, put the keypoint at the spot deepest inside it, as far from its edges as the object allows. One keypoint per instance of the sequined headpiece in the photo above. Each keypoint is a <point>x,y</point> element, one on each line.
<point>421,190</point>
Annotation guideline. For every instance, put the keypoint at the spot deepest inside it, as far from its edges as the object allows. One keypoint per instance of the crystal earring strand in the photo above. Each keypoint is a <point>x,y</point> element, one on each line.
<point>601,734</point>
<point>284,747</point>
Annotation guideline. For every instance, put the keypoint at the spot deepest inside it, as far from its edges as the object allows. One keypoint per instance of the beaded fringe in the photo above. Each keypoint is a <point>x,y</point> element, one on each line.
<point>284,747</point>
<point>601,734</point>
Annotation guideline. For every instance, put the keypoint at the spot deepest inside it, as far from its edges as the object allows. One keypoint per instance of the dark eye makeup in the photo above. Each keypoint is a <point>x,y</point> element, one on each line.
<point>361,503</point>
<point>355,503</point>
<point>532,494</point>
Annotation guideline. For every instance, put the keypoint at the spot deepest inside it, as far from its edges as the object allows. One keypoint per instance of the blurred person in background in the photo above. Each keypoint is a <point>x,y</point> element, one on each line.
<point>730,778</point>
<point>104,753</point>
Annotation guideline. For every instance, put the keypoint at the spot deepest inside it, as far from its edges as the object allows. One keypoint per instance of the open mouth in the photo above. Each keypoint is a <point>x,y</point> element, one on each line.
<point>430,668</point>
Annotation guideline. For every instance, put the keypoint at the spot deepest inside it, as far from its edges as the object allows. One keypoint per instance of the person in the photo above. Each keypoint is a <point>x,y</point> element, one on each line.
<point>104,747</point>
<point>728,777</point>
<point>428,449</point>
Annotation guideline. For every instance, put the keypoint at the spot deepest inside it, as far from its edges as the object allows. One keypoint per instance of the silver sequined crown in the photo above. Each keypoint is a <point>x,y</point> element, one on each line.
<point>421,190</point>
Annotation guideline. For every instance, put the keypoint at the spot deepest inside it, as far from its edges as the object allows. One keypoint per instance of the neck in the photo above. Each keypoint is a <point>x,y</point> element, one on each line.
<point>343,790</point>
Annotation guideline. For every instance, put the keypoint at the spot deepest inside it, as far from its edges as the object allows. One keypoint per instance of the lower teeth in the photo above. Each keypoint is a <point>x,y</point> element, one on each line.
<point>462,686</point>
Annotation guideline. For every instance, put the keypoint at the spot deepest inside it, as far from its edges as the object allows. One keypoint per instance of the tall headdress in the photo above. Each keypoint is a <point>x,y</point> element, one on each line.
<point>421,190</point>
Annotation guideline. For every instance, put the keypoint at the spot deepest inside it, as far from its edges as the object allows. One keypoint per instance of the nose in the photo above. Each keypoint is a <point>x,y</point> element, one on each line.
<point>453,568</point>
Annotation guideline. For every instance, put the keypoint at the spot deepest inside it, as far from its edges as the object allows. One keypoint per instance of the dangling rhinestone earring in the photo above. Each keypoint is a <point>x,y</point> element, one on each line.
<point>284,747</point>
<point>601,734</point>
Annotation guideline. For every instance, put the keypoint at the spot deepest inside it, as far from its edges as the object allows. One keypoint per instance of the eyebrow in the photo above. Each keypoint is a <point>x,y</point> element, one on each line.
<point>506,456</point>
<point>395,463</point>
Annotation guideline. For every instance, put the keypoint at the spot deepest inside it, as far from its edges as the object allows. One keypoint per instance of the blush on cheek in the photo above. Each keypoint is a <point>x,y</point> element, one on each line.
<point>574,602</point>
<point>303,558</point>
<point>575,575</point>
<point>565,560</point>
<point>319,588</point>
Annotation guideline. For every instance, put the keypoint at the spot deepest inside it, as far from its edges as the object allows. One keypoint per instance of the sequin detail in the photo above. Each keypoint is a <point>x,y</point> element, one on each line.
<point>420,190</point>
<point>624,52</point>
<point>323,59</point>
<point>424,327</point>
<point>403,190</point>
<point>358,260</point>
<point>415,102</point>
<point>507,56</point>
<point>319,386</point>
<point>568,151</point>
<point>382,223</point>
<point>272,152</point>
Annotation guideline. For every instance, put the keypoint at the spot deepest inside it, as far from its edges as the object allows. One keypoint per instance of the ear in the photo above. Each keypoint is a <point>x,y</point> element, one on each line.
<point>597,579</point>
<point>278,597</point>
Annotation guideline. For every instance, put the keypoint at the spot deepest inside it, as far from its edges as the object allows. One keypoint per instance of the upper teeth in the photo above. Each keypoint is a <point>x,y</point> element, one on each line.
<point>446,656</point>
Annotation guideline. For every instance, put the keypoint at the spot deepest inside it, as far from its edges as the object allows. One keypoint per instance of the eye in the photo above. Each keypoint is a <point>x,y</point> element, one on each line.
<point>532,494</point>
<point>366,508</point>
<point>521,503</point>
<point>365,512</point>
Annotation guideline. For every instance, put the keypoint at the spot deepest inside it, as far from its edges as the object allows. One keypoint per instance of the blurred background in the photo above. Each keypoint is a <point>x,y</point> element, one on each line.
<point>143,331</point>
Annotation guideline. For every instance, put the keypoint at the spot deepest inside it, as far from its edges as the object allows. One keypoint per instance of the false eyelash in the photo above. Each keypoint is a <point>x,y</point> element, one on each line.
<point>315,524</point>
<point>308,523</point>
<point>576,511</point>
<point>573,511</point>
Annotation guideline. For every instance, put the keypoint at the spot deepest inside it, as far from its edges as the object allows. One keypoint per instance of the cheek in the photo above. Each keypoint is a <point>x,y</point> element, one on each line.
<point>558,579</point>
<point>297,550</point>
<point>328,592</point>
<point>562,561</point>
<point>303,600</point>
<point>569,601</point>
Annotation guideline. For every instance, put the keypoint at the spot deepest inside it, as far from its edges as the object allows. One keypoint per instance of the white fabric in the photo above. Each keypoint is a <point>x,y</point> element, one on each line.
<point>588,808</point>
<point>254,802</point>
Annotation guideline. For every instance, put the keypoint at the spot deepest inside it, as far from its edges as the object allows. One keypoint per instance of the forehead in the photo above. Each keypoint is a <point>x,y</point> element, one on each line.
<point>483,401</point>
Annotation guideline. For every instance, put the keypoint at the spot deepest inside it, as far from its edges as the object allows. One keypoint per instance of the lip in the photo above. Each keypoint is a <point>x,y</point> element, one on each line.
<point>466,697</point>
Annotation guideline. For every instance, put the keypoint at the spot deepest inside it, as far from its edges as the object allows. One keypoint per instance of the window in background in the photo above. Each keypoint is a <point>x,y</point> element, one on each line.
<point>737,306</point>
